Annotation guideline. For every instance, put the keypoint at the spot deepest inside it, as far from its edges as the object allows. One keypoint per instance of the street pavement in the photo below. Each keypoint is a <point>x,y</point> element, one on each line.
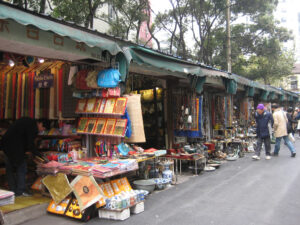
<point>242,192</point>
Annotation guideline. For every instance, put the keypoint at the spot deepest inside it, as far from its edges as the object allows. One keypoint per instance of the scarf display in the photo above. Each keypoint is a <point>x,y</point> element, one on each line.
<point>19,98</point>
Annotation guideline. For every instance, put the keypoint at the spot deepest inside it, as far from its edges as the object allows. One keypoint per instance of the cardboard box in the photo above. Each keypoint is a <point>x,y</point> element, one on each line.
<point>114,215</point>
<point>138,208</point>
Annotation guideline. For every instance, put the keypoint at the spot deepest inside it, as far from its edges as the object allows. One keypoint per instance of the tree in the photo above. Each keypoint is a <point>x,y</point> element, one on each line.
<point>81,12</point>
<point>258,41</point>
<point>36,5</point>
<point>129,15</point>
<point>175,23</point>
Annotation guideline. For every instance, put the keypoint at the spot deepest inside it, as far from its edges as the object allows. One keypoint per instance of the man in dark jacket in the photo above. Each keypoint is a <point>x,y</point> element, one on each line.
<point>263,118</point>
<point>19,139</point>
<point>291,121</point>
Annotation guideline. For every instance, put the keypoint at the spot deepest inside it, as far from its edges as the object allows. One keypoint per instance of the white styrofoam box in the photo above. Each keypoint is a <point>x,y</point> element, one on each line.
<point>114,215</point>
<point>138,208</point>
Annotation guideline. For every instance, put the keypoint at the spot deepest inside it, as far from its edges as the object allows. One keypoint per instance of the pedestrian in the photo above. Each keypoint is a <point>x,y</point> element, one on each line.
<point>291,121</point>
<point>298,118</point>
<point>280,129</point>
<point>262,118</point>
<point>16,142</point>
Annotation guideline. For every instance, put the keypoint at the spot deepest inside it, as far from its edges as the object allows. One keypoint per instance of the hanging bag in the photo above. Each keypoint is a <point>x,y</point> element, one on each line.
<point>109,78</point>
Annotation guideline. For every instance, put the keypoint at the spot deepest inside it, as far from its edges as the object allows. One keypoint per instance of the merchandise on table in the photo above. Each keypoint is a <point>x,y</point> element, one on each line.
<point>6,197</point>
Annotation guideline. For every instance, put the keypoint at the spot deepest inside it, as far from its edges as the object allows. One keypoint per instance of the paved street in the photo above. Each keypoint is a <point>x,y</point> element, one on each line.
<point>243,192</point>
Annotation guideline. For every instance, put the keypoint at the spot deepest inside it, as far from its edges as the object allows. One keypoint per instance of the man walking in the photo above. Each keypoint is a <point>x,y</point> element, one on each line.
<point>280,129</point>
<point>263,118</point>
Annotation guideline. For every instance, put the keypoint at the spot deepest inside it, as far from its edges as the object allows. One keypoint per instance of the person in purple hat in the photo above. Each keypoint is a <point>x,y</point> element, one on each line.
<point>263,118</point>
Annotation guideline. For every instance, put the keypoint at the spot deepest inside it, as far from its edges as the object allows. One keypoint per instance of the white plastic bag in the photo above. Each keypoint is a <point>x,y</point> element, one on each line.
<point>291,137</point>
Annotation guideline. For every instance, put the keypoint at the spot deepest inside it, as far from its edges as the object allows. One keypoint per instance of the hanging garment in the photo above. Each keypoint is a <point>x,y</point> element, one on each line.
<point>37,103</point>
<point>13,99</point>
<point>51,97</point>
<point>8,95</point>
<point>2,95</point>
<point>60,90</point>
<point>23,95</point>
<point>73,71</point>
<point>32,95</point>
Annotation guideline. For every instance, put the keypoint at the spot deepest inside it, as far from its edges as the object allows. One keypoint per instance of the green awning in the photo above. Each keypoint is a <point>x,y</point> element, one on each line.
<point>290,98</point>
<point>50,24</point>
<point>199,84</point>
<point>272,95</point>
<point>144,56</point>
<point>250,91</point>
<point>230,86</point>
<point>264,95</point>
<point>281,98</point>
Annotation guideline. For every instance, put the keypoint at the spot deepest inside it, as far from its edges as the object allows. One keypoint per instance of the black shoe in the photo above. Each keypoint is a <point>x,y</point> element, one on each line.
<point>274,154</point>
<point>293,154</point>
<point>26,194</point>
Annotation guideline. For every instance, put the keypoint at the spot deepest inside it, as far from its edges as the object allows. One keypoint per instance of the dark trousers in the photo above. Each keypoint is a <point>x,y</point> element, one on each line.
<point>267,142</point>
<point>16,176</point>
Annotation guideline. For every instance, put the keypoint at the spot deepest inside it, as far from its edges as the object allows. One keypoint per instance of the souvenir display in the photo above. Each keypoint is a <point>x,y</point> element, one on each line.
<point>120,105</point>
<point>91,124</point>
<point>120,127</point>
<point>58,186</point>
<point>82,125</point>
<point>100,126</point>
<point>74,210</point>
<point>109,126</point>
<point>90,105</point>
<point>60,208</point>
<point>109,106</point>
<point>97,105</point>
<point>6,197</point>
<point>102,106</point>
<point>81,105</point>
<point>37,185</point>
<point>86,191</point>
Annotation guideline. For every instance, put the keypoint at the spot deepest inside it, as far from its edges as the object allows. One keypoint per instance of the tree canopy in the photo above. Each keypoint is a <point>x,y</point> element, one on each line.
<point>194,29</point>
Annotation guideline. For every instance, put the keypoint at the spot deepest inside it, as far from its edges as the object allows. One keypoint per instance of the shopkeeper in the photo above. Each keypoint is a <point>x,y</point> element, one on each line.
<point>16,142</point>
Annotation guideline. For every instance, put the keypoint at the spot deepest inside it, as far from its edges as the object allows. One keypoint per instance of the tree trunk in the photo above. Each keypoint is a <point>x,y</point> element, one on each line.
<point>137,39</point>
<point>228,41</point>
<point>42,6</point>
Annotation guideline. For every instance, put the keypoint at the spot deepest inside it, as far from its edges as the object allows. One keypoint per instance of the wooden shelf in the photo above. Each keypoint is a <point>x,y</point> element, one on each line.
<point>103,114</point>
<point>60,136</point>
<point>104,135</point>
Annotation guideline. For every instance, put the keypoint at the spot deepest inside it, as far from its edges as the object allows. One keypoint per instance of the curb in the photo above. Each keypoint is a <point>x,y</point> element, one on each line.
<point>23,215</point>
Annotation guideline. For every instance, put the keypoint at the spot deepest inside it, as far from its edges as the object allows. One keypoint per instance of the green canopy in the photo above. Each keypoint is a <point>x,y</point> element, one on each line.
<point>250,91</point>
<point>49,24</point>
<point>144,56</point>
<point>272,95</point>
<point>264,95</point>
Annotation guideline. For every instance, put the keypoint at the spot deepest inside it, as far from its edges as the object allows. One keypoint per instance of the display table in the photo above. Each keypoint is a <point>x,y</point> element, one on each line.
<point>192,158</point>
<point>95,166</point>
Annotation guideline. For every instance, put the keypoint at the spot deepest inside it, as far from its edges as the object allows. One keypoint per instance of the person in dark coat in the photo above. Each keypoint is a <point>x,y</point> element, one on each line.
<point>263,118</point>
<point>19,139</point>
<point>291,121</point>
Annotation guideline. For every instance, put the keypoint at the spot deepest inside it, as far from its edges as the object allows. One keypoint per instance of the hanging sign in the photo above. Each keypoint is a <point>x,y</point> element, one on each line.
<point>43,80</point>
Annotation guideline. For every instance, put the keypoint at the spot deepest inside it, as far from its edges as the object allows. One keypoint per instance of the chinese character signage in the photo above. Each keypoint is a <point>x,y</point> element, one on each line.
<point>43,80</point>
